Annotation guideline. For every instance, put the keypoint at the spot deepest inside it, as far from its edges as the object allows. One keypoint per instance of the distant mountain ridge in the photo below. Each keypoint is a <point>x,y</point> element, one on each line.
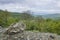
<point>53,16</point>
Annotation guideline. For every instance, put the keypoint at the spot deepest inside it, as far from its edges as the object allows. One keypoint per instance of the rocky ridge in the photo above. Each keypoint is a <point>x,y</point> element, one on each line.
<point>17,31</point>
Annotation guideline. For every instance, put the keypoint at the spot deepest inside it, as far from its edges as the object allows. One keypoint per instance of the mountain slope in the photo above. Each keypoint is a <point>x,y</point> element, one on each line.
<point>53,16</point>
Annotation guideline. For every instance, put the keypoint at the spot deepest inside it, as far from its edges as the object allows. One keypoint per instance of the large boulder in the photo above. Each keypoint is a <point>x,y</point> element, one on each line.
<point>14,32</point>
<point>15,28</point>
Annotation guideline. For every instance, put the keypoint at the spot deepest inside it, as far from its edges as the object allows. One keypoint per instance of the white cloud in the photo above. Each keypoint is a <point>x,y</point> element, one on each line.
<point>48,6</point>
<point>14,7</point>
<point>37,2</point>
<point>58,4</point>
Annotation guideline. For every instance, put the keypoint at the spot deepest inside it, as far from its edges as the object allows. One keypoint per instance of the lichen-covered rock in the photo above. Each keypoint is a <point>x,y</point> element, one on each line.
<point>15,28</point>
<point>40,36</point>
<point>17,32</point>
<point>14,32</point>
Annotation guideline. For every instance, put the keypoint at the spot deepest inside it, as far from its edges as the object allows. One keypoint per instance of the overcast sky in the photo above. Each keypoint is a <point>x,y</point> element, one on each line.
<point>45,6</point>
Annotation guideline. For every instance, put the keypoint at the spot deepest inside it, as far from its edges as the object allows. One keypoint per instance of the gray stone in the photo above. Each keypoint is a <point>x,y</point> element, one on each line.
<point>17,32</point>
<point>15,28</point>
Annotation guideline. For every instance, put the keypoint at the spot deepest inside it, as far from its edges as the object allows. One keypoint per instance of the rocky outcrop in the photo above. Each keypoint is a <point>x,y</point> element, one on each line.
<point>14,32</point>
<point>15,28</point>
<point>17,32</point>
